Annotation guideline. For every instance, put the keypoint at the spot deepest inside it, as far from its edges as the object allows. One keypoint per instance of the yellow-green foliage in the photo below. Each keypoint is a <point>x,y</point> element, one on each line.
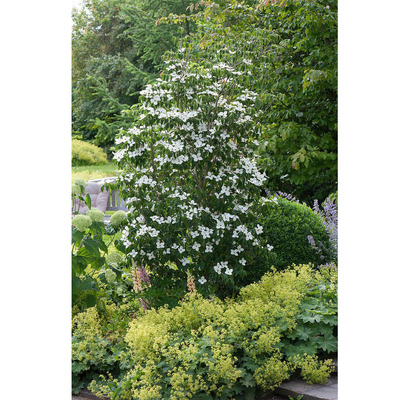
<point>96,337</point>
<point>88,346</point>
<point>84,153</point>
<point>272,373</point>
<point>314,370</point>
<point>220,349</point>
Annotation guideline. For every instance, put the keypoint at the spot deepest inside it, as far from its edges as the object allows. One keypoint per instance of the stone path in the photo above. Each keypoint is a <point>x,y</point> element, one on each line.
<point>293,388</point>
<point>297,387</point>
<point>85,395</point>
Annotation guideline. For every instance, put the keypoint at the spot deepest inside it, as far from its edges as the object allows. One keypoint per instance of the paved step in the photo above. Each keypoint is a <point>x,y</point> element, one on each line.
<point>294,388</point>
<point>298,387</point>
<point>86,395</point>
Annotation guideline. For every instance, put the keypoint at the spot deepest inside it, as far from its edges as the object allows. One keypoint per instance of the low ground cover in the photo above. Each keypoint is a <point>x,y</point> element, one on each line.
<point>210,348</point>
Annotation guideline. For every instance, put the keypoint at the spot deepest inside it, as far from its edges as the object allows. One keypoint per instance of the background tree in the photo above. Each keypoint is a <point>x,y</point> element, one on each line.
<point>292,46</point>
<point>116,51</point>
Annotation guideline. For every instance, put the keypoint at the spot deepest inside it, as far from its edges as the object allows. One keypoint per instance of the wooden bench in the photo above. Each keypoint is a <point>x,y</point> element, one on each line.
<point>114,202</point>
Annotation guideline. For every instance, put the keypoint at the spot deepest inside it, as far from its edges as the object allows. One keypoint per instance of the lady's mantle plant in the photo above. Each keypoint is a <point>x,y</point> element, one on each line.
<point>190,178</point>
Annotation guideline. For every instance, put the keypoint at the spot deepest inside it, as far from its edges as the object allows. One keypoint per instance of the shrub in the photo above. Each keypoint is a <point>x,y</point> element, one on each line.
<point>211,348</point>
<point>97,342</point>
<point>95,276</point>
<point>190,179</point>
<point>287,225</point>
<point>84,153</point>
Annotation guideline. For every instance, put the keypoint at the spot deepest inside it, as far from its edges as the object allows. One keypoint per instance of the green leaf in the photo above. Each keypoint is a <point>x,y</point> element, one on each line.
<point>311,318</point>
<point>98,263</point>
<point>102,245</point>
<point>92,246</point>
<point>327,343</point>
<point>90,300</point>
<point>250,365</point>
<point>331,320</point>
<point>87,255</point>
<point>88,201</point>
<point>78,264</point>
<point>77,236</point>
<point>248,380</point>
<point>117,393</point>
<point>302,332</point>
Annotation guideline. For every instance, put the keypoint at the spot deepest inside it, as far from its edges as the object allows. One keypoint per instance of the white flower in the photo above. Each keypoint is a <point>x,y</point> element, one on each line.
<point>205,232</point>
<point>217,268</point>
<point>196,246</point>
<point>160,244</point>
<point>197,157</point>
<point>242,261</point>
<point>228,271</point>
<point>209,248</point>
<point>119,154</point>
<point>235,252</point>
<point>133,253</point>
<point>185,261</point>
<point>269,247</point>
<point>259,229</point>
<point>202,280</point>
<point>220,225</point>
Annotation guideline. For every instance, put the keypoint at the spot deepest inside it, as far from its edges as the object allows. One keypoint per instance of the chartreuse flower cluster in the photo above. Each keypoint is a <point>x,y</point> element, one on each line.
<point>95,215</point>
<point>97,339</point>
<point>220,349</point>
<point>189,175</point>
<point>117,218</point>
<point>81,222</point>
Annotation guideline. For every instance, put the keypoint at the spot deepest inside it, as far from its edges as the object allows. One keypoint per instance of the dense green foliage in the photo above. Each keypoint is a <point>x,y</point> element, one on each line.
<point>116,50</point>
<point>292,46</point>
<point>95,273</point>
<point>97,342</point>
<point>222,349</point>
<point>300,102</point>
<point>286,227</point>
<point>84,153</point>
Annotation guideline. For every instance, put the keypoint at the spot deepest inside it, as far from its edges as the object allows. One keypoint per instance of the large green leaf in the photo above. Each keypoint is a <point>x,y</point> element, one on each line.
<point>77,236</point>
<point>92,246</point>
<point>85,254</point>
<point>327,343</point>
<point>90,300</point>
<point>98,263</point>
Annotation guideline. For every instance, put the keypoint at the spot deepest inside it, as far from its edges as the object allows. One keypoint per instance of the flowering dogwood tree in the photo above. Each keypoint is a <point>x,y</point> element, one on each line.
<point>189,176</point>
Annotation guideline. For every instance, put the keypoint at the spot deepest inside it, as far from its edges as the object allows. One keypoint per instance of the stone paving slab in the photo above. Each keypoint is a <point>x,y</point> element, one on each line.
<point>297,387</point>
<point>86,395</point>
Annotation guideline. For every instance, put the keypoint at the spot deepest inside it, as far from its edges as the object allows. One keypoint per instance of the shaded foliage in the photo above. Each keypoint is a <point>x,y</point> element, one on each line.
<point>116,50</point>
<point>293,49</point>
